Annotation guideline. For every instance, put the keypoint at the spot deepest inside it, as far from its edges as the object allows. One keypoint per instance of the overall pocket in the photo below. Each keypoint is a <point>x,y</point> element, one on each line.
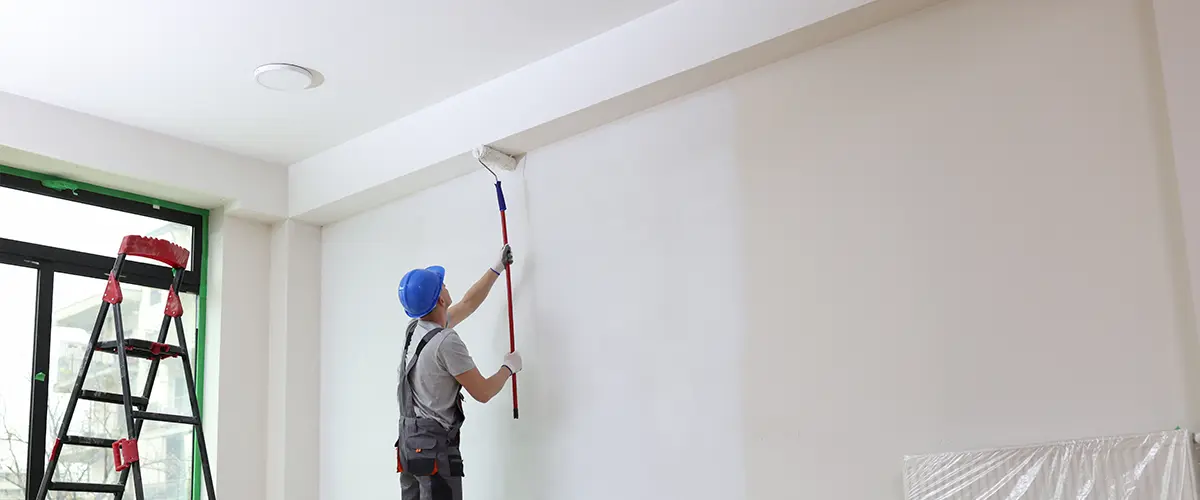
<point>422,441</point>
<point>418,455</point>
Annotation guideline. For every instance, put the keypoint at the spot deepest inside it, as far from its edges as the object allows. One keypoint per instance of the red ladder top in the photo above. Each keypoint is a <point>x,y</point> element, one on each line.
<point>157,249</point>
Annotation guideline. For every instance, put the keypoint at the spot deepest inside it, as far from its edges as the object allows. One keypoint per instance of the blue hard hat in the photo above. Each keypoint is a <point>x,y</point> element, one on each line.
<point>419,290</point>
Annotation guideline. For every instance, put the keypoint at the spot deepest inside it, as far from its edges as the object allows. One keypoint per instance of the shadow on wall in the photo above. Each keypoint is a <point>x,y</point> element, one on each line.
<point>1189,350</point>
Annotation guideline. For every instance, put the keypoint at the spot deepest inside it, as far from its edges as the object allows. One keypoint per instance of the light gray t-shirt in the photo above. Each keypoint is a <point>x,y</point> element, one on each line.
<point>434,387</point>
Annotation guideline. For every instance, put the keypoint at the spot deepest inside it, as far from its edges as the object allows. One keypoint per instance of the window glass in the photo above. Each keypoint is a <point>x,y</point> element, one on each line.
<point>83,228</point>
<point>18,299</point>
<point>165,448</point>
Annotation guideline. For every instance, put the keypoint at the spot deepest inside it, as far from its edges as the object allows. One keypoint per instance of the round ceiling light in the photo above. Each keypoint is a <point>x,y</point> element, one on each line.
<point>284,77</point>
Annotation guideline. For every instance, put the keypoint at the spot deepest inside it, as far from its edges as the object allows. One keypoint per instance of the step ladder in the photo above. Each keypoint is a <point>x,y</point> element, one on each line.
<point>125,450</point>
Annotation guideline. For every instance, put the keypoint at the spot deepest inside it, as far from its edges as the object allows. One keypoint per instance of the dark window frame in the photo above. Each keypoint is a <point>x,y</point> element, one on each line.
<point>48,261</point>
<point>92,265</point>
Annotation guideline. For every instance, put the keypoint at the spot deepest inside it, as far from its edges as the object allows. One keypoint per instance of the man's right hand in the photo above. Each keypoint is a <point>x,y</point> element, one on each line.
<point>484,389</point>
<point>512,361</point>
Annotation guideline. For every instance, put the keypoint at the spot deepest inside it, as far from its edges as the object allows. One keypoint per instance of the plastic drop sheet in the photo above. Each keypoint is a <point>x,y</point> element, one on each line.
<point>1157,466</point>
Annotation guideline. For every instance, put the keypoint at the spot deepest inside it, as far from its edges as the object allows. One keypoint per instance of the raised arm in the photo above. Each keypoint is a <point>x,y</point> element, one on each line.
<point>479,291</point>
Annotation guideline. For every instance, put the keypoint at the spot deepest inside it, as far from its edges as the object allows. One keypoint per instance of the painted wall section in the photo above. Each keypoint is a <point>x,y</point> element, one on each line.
<point>614,244</point>
<point>235,400</point>
<point>950,231</point>
<point>294,360</point>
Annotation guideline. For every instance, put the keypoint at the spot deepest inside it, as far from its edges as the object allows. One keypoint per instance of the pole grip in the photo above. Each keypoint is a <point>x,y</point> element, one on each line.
<point>500,197</point>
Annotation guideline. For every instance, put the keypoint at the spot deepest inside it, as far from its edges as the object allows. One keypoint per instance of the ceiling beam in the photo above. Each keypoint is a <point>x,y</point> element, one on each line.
<point>671,52</point>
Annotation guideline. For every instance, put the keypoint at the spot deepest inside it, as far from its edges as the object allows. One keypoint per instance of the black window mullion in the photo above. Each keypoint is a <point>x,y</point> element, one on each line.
<point>39,393</point>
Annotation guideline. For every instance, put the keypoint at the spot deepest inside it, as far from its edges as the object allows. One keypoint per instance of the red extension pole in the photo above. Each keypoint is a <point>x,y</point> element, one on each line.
<point>512,339</point>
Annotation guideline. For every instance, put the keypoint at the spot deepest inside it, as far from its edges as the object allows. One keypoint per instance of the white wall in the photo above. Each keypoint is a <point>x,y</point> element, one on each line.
<point>293,352</point>
<point>602,388</point>
<point>1179,49</point>
<point>960,225</point>
<point>951,231</point>
<point>235,397</point>
<point>262,361</point>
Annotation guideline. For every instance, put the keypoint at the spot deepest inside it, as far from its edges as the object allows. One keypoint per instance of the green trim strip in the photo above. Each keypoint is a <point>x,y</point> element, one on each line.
<point>201,328</point>
<point>61,184</point>
<point>54,182</point>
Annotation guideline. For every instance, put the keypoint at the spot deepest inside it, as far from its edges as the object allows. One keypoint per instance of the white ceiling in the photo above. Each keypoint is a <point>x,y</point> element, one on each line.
<point>186,68</point>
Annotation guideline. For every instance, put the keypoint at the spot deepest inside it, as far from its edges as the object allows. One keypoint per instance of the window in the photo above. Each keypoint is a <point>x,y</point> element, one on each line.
<point>18,296</point>
<point>73,226</point>
<point>58,242</point>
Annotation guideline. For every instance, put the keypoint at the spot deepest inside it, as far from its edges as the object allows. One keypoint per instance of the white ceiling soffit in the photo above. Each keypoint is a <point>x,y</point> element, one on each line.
<point>186,69</point>
<point>85,148</point>
<point>670,52</point>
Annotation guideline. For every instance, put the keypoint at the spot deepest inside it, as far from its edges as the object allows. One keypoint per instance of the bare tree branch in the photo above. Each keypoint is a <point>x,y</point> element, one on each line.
<point>15,474</point>
<point>79,464</point>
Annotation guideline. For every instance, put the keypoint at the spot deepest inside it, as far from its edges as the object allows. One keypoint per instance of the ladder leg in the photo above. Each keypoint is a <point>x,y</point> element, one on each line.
<point>137,425</point>
<point>191,388</point>
<point>127,396</point>
<point>163,329</point>
<point>63,426</point>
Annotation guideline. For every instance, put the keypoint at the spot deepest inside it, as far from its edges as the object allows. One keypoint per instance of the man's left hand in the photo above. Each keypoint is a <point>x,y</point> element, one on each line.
<point>506,257</point>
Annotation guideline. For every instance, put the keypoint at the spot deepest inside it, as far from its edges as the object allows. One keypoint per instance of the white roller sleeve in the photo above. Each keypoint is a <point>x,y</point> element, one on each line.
<point>494,159</point>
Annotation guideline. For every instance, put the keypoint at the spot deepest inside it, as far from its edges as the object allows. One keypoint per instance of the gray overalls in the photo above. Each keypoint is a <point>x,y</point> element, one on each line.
<point>427,454</point>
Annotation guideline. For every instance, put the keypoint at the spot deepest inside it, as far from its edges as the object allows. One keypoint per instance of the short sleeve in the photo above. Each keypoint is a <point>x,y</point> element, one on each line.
<point>453,355</point>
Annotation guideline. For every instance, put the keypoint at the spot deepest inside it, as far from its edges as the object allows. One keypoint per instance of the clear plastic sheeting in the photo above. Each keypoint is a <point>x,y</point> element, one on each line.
<point>1158,466</point>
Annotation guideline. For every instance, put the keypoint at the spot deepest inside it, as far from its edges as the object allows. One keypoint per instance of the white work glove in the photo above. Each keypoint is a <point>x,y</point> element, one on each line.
<point>505,258</point>
<point>512,361</point>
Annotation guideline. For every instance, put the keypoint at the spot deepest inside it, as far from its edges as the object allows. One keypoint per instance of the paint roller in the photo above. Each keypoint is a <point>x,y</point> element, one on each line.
<point>491,159</point>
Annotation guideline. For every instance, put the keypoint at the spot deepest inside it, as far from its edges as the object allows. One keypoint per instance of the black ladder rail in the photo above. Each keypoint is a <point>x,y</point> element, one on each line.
<point>191,390</point>
<point>65,424</point>
<point>123,361</point>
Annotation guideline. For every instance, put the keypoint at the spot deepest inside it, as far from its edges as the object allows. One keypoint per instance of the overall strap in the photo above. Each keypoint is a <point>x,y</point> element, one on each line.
<point>420,347</point>
<point>408,333</point>
<point>405,392</point>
